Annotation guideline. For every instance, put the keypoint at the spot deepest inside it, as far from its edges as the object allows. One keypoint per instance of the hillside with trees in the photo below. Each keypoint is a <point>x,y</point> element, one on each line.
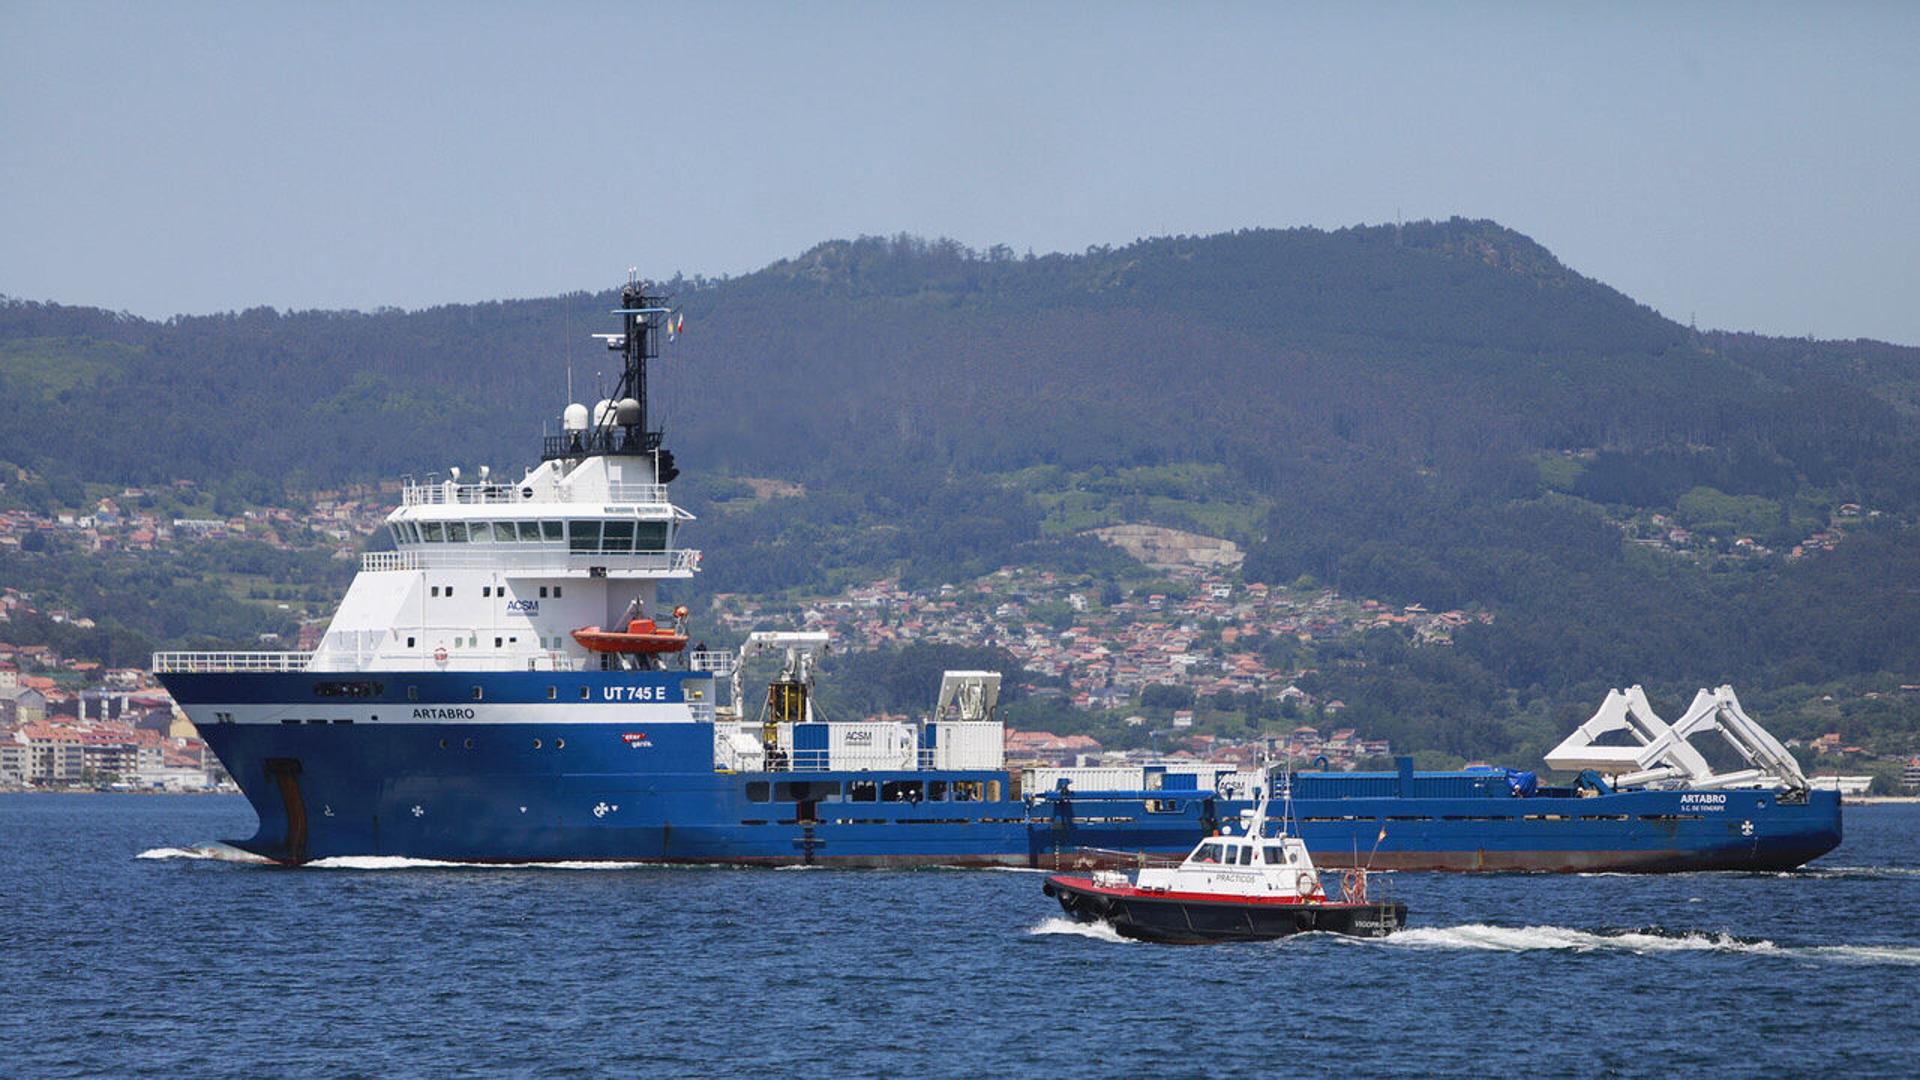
<point>1437,413</point>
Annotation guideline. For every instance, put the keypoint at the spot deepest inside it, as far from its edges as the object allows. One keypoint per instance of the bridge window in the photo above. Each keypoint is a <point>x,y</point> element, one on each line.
<point>480,532</point>
<point>584,535</point>
<point>650,536</point>
<point>435,532</point>
<point>456,532</point>
<point>552,532</point>
<point>617,537</point>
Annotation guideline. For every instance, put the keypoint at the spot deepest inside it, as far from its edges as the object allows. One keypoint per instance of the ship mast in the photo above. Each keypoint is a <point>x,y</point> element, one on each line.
<point>620,426</point>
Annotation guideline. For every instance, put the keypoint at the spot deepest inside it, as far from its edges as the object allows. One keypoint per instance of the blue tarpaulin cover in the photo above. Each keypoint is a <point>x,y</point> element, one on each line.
<point>1522,784</point>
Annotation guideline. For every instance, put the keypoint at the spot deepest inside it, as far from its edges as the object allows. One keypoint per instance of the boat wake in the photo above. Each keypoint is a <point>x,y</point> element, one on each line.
<point>206,852</point>
<point>1864,873</point>
<point>1645,941</point>
<point>1098,931</point>
<point>230,854</point>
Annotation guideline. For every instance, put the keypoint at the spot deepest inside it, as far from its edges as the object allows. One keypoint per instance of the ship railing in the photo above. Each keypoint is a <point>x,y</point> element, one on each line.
<point>213,662</point>
<point>515,557</point>
<point>448,493</point>
<point>714,661</point>
<point>392,560</point>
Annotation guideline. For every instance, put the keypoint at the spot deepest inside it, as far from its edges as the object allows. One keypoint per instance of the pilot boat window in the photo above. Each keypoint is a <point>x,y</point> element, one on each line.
<point>1207,853</point>
<point>650,536</point>
<point>617,536</point>
<point>552,531</point>
<point>1276,855</point>
<point>585,535</point>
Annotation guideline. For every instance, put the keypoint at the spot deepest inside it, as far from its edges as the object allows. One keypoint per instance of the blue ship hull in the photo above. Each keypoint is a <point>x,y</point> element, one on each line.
<point>433,779</point>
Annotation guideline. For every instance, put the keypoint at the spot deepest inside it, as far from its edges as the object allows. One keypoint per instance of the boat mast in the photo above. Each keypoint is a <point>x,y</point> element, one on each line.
<point>622,427</point>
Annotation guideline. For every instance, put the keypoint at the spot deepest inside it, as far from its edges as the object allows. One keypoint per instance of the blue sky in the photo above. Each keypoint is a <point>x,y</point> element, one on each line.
<point>1754,166</point>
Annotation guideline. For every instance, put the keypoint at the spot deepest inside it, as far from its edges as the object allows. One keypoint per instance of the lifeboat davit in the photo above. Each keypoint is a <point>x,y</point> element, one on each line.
<point>640,636</point>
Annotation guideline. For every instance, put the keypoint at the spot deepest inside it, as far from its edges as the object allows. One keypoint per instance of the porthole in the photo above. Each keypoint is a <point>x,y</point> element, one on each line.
<point>536,744</point>
<point>443,744</point>
<point>585,693</point>
<point>468,744</point>
<point>559,744</point>
<point>553,692</point>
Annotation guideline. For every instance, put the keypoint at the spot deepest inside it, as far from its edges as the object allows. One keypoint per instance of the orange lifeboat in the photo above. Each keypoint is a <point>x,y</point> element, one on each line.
<point>640,636</point>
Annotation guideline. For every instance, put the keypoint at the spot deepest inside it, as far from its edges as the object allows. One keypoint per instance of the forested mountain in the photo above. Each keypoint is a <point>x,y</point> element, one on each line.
<point>1438,413</point>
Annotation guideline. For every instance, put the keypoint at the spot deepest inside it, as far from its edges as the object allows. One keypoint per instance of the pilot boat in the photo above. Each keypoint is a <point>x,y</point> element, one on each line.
<point>1249,886</point>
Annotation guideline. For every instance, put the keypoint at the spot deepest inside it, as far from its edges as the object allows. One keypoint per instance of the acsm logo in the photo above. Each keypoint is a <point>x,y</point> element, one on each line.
<point>523,607</point>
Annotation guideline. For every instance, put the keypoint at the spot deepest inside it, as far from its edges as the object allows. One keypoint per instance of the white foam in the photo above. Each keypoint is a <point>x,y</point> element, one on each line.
<point>1641,942</point>
<point>212,852</point>
<point>1098,931</point>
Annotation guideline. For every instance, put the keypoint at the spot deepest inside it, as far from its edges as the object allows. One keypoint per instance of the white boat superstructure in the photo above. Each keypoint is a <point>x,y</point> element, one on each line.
<point>1248,864</point>
<point>488,574</point>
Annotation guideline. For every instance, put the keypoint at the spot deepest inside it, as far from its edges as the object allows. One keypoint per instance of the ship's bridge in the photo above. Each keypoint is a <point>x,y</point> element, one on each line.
<point>585,521</point>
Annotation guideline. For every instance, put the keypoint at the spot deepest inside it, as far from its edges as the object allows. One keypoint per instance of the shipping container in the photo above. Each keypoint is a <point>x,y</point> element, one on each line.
<point>1091,778</point>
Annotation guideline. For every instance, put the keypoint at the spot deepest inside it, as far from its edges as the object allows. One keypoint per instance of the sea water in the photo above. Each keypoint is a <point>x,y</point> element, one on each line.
<point>132,942</point>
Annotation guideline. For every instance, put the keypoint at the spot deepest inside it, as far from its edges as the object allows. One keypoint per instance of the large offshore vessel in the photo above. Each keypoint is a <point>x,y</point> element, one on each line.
<point>501,687</point>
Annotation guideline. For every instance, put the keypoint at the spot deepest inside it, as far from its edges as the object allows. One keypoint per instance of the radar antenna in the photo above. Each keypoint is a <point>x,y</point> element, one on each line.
<point>622,427</point>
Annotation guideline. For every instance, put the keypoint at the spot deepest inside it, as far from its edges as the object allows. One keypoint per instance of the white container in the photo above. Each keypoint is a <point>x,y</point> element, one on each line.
<point>1092,778</point>
<point>969,745</point>
<point>877,745</point>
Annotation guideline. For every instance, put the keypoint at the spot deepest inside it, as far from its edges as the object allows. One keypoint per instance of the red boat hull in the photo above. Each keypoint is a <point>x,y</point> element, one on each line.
<point>1195,918</point>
